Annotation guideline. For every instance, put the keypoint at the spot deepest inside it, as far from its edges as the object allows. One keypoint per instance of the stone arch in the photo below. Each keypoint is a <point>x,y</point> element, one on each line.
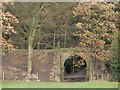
<point>75,68</point>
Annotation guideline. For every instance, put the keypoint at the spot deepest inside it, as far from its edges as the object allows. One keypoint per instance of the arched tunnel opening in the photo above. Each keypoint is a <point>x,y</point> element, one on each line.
<point>75,69</point>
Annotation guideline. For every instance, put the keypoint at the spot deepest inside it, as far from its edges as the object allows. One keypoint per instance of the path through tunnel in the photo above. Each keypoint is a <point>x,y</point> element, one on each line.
<point>75,69</point>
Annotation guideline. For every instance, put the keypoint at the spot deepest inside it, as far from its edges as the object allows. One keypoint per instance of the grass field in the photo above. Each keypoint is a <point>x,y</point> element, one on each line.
<point>60,85</point>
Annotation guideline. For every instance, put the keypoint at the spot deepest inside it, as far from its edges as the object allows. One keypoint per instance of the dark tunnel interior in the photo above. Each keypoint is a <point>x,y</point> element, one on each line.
<point>74,67</point>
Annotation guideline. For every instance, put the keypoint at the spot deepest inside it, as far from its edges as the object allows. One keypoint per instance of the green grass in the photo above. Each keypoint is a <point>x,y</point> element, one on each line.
<point>60,85</point>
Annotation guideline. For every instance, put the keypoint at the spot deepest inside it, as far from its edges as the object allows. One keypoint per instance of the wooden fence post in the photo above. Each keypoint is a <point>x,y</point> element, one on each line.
<point>3,76</point>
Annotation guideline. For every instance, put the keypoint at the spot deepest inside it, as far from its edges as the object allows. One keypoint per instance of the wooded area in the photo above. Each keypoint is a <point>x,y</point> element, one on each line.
<point>93,27</point>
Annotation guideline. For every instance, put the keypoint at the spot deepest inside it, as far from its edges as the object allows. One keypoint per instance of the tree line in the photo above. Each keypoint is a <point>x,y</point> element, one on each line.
<point>33,25</point>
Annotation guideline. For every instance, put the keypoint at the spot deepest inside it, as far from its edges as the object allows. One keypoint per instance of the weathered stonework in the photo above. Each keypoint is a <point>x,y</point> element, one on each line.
<point>48,65</point>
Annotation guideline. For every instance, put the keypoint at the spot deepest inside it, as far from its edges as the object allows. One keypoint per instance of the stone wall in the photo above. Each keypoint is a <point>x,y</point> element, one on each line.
<point>48,65</point>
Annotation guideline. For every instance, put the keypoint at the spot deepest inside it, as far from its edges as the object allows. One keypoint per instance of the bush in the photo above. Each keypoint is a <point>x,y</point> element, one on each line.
<point>115,60</point>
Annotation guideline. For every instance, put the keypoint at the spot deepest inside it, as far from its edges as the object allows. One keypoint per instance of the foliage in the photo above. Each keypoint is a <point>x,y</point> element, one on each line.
<point>90,26</point>
<point>115,60</point>
<point>95,23</point>
<point>7,20</point>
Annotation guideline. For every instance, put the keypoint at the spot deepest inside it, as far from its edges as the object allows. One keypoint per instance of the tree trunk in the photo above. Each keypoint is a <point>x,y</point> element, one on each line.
<point>54,40</point>
<point>30,50</point>
<point>29,59</point>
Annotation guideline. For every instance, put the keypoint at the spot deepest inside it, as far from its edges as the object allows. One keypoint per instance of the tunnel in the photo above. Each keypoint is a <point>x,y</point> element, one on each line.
<point>75,68</point>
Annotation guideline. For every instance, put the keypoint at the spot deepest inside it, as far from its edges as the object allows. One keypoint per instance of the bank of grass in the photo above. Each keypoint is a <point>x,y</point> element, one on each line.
<point>60,85</point>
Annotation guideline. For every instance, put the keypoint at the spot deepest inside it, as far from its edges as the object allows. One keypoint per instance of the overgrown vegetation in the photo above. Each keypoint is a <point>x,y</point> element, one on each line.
<point>115,60</point>
<point>90,26</point>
